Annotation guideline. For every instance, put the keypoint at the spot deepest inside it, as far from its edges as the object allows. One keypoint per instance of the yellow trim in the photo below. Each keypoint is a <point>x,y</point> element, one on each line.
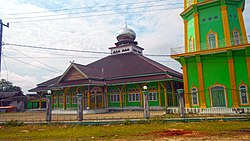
<point>197,93</point>
<point>215,50</point>
<point>242,25</point>
<point>166,98</point>
<point>186,35</point>
<point>233,82</point>
<point>201,82</point>
<point>70,100</point>
<point>159,93</point>
<point>185,4</point>
<point>89,99</point>
<point>225,93</point>
<point>65,97</point>
<point>197,31</point>
<point>225,25</point>
<point>238,32</point>
<point>173,92</point>
<point>216,39</point>
<point>185,81</point>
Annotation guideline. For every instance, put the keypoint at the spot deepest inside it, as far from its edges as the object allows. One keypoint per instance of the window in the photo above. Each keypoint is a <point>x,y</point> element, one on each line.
<point>74,99</point>
<point>194,96</point>
<point>218,96</point>
<point>133,97</point>
<point>191,44</point>
<point>152,96</point>
<point>212,40</point>
<point>243,94</point>
<point>236,37</point>
<point>114,98</point>
<point>67,99</point>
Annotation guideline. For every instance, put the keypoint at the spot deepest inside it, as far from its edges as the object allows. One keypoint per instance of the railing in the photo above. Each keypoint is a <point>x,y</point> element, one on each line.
<point>219,44</point>
<point>120,115</point>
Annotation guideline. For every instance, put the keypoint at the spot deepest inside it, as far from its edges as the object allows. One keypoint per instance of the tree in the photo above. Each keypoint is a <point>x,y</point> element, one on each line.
<point>7,86</point>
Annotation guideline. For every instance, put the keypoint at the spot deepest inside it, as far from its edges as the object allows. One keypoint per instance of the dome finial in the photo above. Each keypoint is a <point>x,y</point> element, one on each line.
<point>125,23</point>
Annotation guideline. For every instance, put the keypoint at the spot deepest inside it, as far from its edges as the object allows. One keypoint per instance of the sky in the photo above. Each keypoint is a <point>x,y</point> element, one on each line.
<point>84,25</point>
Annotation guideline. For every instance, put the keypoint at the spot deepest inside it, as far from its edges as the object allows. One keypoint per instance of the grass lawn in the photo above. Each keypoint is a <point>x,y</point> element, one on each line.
<point>154,131</point>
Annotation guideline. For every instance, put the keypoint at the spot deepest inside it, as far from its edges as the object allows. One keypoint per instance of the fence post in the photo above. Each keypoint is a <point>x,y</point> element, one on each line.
<point>48,108</point>
<point>181,102</point>
<point>80,108</point>
<point>145,104</point>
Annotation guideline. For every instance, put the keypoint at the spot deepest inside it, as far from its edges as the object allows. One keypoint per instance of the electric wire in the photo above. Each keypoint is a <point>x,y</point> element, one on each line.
<point>117,9</point>
<point>37,60</point>
<point>7,74</point>
<point>89,16</point>
<point>28,63</point>
<point>89,7</point>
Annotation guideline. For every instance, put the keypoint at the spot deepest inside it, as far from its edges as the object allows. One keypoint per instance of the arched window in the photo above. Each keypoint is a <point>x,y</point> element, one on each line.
<point>194,92</point>
<point>218,97</point>
<point>191,44</point>
<point>212,40</point>
<point>243,94</point>
<point>236,37</point>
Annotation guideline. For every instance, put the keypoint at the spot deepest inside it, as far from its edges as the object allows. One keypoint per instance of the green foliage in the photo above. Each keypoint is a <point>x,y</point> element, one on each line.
<point>7,86</point>
<point>13,123</point>
<point>127,122</point>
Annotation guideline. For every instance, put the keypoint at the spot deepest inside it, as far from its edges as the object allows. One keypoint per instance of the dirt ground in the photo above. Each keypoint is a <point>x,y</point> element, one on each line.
<point>185,135</point>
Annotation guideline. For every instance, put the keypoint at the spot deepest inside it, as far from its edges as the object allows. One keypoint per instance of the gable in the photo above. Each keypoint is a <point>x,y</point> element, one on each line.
<point>73,74</point>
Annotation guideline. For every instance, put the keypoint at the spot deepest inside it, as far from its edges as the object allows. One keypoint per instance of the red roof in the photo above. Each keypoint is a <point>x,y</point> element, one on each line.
<point>114,69</point>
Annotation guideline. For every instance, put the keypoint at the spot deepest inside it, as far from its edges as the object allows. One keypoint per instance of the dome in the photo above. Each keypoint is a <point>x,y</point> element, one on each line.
<point>126,33</point>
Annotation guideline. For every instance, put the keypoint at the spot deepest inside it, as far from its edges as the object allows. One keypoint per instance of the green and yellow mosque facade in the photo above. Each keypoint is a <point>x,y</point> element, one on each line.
<point>216,57</point>
<point>114,82</point>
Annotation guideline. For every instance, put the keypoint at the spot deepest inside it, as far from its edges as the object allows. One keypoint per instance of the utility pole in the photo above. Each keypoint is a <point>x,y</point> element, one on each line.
<point>1,42</point>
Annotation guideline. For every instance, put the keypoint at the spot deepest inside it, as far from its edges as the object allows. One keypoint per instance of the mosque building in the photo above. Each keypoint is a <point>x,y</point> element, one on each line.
<point>216,57</point>
<point>116,81</point>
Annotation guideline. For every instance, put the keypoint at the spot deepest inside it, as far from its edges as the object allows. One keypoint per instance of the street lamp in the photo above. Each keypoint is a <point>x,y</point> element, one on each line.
<point>145,104</point>
<point>49,92</point>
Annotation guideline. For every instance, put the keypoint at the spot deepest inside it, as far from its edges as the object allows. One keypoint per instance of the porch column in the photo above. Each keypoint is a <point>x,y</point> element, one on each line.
<point>165,93</point>
<point>88,97</point>
<point>106,96</point>
<point>52,100</point>
<point>173,92</point>
<point>40,102</point>
<point>64,98</point>
<point>95,101</point>
<point>70,100</point>
<point>103,97</point>
<point>159,93</point>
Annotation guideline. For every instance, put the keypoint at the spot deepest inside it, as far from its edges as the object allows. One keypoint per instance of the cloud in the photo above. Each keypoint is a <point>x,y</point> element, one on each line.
<point>25,82</point>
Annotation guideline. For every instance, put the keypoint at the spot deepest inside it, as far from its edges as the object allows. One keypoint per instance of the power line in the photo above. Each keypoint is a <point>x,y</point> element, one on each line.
<point>29,64</point>
<point>37,60</point>
<point>7,74</point>
<point>58,54</point>
<point>90,7</point>
<point>102,10</point>
<point>56,49</point>
<point>94,15</point>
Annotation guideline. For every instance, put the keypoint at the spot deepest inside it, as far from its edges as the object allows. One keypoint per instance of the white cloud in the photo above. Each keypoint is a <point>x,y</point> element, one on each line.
<point>24,81</point>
